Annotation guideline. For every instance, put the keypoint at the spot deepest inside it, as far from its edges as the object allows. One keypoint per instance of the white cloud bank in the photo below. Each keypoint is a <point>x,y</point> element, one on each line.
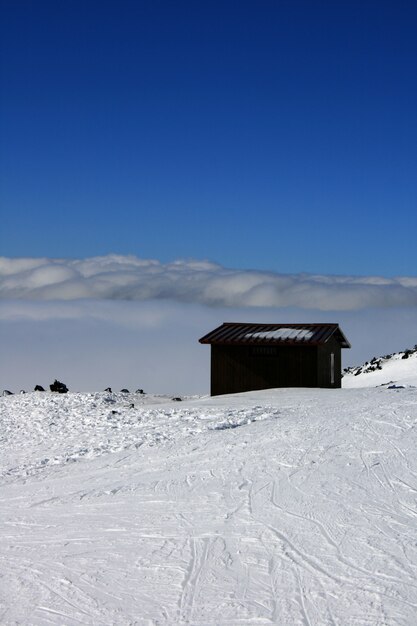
<point>130,278</point>
<point>125,322</point>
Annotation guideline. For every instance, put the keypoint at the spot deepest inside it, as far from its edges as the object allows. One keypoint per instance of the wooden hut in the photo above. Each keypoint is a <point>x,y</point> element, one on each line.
<point>245,357</point>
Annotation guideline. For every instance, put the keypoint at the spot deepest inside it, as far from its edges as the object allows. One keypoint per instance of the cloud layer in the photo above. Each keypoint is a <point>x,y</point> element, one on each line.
<point>128,322</point>
<point>129,278</point>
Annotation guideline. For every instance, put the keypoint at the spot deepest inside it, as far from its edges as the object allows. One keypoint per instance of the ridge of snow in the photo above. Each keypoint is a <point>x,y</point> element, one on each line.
<point>399,368</point>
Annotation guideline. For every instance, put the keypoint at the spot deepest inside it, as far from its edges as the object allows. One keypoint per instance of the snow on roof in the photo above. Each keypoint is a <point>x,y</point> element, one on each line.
<point>300,334</point>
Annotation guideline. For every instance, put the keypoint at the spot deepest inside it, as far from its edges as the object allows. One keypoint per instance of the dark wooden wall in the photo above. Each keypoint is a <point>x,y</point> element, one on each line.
<point>236,369</point>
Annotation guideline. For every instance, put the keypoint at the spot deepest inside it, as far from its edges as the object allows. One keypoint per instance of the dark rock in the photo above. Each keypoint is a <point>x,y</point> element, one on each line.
<point>58,387</point>
<point>108,389</point>
<point>6,392</point>
<point>139,391</point>
<point>39,388</point>
<point>124,391</point>
<point>177,399</point>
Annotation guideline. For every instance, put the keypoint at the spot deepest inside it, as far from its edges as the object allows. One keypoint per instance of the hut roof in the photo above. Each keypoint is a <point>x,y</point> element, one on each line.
<point>236,333</point>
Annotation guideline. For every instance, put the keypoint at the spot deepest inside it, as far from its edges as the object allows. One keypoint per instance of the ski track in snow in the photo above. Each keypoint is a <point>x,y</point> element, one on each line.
<point>290,507</point>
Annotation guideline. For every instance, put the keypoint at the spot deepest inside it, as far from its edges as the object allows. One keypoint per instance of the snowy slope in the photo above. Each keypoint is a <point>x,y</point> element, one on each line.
<point>399,368</point>
<point>279,507</point>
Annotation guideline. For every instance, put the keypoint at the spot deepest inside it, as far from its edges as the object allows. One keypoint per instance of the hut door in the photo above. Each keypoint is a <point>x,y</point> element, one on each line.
<point>332,368</point>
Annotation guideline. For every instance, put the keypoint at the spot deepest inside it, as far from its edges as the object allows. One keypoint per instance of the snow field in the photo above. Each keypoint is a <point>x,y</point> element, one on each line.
<point>273,507</point>
<point>394,370</point>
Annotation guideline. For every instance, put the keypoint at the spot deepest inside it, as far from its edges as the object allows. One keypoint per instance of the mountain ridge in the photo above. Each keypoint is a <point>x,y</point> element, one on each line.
<point>390,369</point>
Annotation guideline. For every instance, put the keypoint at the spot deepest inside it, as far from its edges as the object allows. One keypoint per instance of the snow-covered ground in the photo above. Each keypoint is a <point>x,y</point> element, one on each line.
<point>399,368</point>
<point>276,507</point>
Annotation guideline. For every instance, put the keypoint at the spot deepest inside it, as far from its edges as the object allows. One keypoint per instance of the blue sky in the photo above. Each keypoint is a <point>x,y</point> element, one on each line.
<point>275,136</point>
